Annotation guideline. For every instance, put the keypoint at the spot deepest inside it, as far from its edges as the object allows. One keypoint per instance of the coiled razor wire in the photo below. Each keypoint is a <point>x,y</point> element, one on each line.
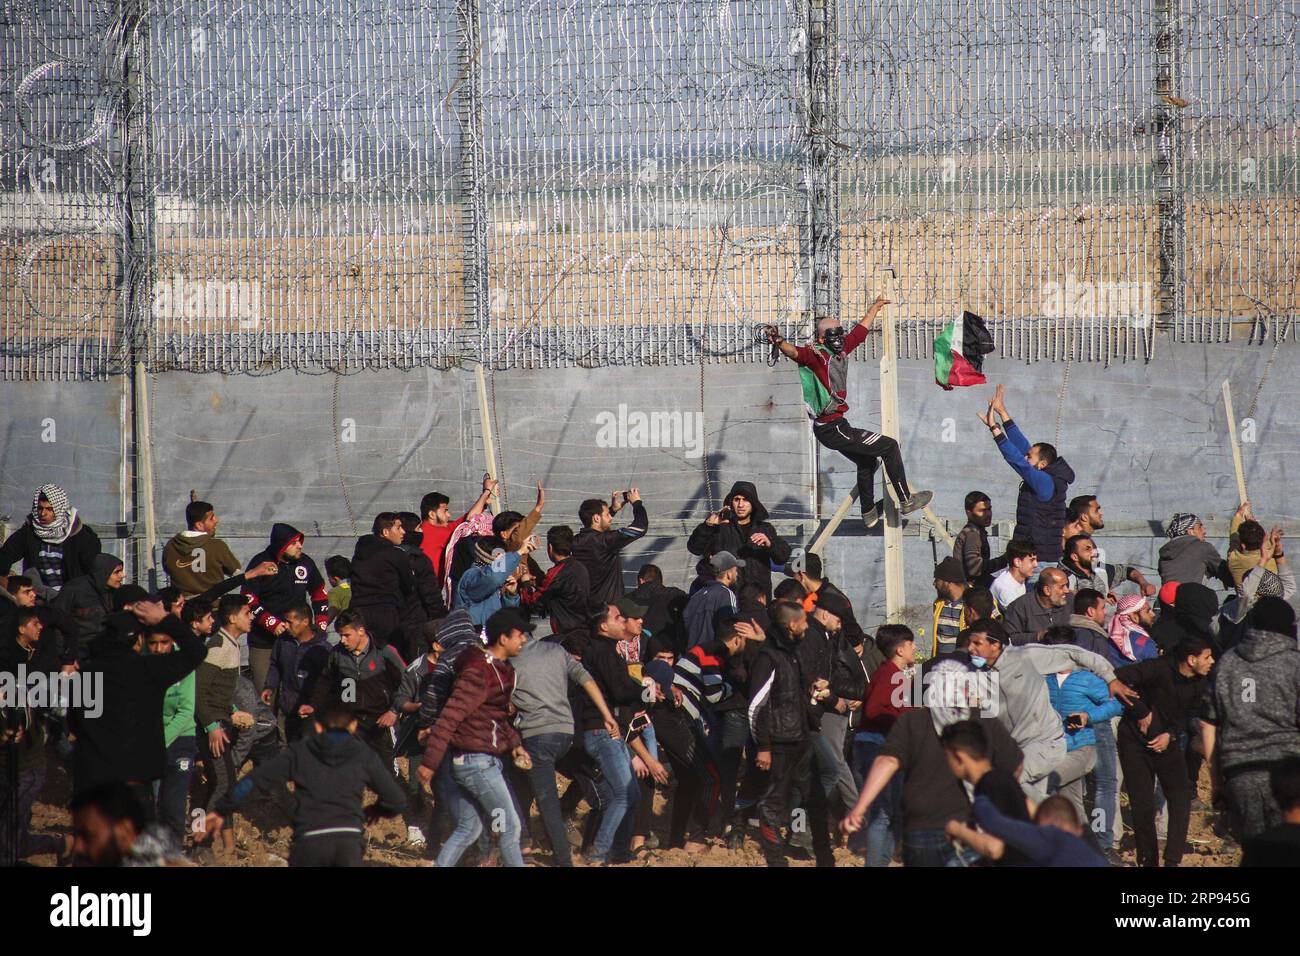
<point>643,179</point>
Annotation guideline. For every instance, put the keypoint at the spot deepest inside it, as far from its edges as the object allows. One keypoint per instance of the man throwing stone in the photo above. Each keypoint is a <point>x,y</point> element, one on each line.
<point>824,372</point>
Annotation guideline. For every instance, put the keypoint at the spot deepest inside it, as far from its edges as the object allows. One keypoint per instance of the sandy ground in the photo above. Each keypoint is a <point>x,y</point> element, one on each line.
<point>262,839</point>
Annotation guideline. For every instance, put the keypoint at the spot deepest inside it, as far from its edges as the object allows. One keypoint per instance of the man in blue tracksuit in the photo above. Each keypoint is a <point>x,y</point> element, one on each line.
<point>1086,707</point>
<point>1046,479</point>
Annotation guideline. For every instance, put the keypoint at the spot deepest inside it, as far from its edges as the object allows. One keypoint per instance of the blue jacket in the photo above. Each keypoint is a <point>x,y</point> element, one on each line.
<point>479,588</point>
<point>1144,648</point>
<point>1082,692</point>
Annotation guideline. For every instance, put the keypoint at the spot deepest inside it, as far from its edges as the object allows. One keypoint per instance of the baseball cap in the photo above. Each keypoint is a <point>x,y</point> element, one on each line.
<point>506,620</point>
<point>629,608</point>
<point>724,561</point>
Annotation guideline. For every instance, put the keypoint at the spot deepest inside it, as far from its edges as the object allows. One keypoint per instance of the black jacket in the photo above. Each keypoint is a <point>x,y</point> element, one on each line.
<point>567,599</point>
<point>708,539</point>
<point>124,740</point>
<point>297,583</point>
<point>89,600</point>
<point>294,670</point>
<point>79,550</point>
<point>622,694</point>
<point>428,605</point>
<point>370,680</point>
<point>779,710</point>
<point>599,552</point>
<point>665,607</point>
<point>330,774</point>
<point>381,575</point>
<point>1170,697</point>
<point>853,632</point>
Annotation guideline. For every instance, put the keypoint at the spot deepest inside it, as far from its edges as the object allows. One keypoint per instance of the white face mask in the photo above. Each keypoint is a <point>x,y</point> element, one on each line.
<point>980,662</point>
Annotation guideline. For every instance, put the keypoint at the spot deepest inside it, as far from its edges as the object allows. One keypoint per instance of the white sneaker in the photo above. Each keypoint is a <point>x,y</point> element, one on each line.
<point>415,836</point>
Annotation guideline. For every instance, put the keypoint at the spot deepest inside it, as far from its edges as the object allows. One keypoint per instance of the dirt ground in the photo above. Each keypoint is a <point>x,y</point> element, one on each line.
<point>262,838</point>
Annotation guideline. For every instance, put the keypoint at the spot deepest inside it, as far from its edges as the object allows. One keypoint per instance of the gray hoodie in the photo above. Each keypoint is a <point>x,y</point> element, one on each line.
<point>544,672</point>
<point>1255,701</point>
<point>1188,558</point>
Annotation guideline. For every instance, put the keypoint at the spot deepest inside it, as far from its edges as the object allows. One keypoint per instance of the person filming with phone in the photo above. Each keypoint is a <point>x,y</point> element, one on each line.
<point>740,527</point>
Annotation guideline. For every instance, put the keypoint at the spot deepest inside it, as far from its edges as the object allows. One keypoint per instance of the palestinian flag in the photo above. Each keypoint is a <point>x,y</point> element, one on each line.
<point>959,352</point>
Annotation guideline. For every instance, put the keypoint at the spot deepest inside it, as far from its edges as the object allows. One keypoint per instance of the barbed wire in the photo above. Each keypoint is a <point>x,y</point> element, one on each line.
<point>647,179</point>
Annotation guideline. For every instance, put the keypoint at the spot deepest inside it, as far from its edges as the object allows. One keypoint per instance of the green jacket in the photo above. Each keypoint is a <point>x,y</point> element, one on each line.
<point>178,710</point>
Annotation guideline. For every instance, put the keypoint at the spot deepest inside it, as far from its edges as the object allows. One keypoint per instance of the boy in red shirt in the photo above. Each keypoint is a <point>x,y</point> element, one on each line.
<point>888,695</point>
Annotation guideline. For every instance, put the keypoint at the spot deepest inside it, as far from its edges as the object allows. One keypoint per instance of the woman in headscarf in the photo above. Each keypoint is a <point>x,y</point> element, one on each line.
<point>53,540</point>
<point>1130,641</point>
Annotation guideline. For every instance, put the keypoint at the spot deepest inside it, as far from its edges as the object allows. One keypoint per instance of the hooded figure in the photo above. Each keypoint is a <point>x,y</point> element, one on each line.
<point>120,732</point>
<point>455,633</point>
<point>1195,615</point>
<point>729,533</point>
<point>60,551</point>
<point>298,582</point>
<point>384,589</point>
<point>89,600</point>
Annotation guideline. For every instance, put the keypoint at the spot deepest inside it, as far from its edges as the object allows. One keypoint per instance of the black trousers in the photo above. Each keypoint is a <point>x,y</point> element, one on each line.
<point>792,767</point>
<point>866,450</point>
<point>1142,767</point>
<point>328,849</point>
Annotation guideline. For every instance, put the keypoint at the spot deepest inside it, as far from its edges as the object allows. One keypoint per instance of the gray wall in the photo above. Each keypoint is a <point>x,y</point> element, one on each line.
<point>1148,438</point>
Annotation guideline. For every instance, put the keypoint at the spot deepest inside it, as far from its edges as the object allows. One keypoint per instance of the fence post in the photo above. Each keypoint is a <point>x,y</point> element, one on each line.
<point>138,265</point>
<point>1169,306</point>
<point>470,183</point>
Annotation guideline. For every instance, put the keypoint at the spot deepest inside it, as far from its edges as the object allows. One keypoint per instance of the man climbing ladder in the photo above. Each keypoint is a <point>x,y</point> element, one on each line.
<point>823,371</point>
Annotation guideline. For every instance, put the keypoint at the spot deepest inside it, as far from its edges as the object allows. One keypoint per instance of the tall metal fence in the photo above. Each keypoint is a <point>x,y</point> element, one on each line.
<point>345,184</point>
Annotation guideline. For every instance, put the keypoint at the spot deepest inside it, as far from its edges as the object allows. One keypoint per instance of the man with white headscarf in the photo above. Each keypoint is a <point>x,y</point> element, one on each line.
<point>53,540</point>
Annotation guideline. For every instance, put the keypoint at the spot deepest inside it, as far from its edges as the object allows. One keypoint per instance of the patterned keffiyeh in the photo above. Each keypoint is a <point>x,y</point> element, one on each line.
<point>65,516</point>
<point>1125,623</point>
<point>1180,524</point>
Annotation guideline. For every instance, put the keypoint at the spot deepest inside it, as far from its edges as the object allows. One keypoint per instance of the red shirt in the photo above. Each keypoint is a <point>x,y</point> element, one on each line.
<point>434,541</point>
<point>884,692</point>
<point>834,377</point>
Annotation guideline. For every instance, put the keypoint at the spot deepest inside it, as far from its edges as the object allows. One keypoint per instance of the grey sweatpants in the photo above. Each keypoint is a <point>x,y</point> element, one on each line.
<point>1068,778</point>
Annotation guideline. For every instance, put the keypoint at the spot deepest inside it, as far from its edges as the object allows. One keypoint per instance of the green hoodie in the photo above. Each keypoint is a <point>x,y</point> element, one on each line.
<point>178,709</point>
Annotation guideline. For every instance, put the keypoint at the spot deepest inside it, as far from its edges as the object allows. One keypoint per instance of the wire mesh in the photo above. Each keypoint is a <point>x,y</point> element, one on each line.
<point>347,184</point>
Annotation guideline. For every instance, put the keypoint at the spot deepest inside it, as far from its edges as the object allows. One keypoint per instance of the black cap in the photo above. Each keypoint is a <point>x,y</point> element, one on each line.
<point>506,620</point>
<point>834,603</point>
<point>128,594</point>
<point>950,569</point>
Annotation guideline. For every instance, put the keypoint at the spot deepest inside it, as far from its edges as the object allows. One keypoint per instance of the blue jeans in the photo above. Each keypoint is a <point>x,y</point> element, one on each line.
<point>482,783</point>
<point>173,790</point>
<point>619,795</point>
<point>1105,776</point>
<point>545,750</point>
<point>932,848</point>
<point>885,818</point>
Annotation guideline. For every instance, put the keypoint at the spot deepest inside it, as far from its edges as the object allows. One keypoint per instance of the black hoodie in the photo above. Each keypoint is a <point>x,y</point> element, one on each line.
<point>729,535</point>
<point>89,600</point>
<point>1197,606</point>
<point>297,583</point>
<point>330,774</point>
<point>121,738</point>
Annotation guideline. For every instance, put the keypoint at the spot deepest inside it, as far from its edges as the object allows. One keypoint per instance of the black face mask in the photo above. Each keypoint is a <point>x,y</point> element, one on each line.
<point>833,339</point>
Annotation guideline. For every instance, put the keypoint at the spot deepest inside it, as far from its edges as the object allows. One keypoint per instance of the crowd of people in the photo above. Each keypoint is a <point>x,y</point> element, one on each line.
<point>451,671</point>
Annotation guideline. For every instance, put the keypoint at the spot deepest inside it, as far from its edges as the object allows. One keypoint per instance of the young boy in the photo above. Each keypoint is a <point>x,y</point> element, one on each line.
<point>339,571</point>
<point>1055,838</point>
<point>330,771</point>
<point>966,745</point>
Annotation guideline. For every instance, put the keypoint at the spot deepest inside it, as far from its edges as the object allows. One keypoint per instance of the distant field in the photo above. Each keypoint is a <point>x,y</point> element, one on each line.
<point>1240,261</point>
